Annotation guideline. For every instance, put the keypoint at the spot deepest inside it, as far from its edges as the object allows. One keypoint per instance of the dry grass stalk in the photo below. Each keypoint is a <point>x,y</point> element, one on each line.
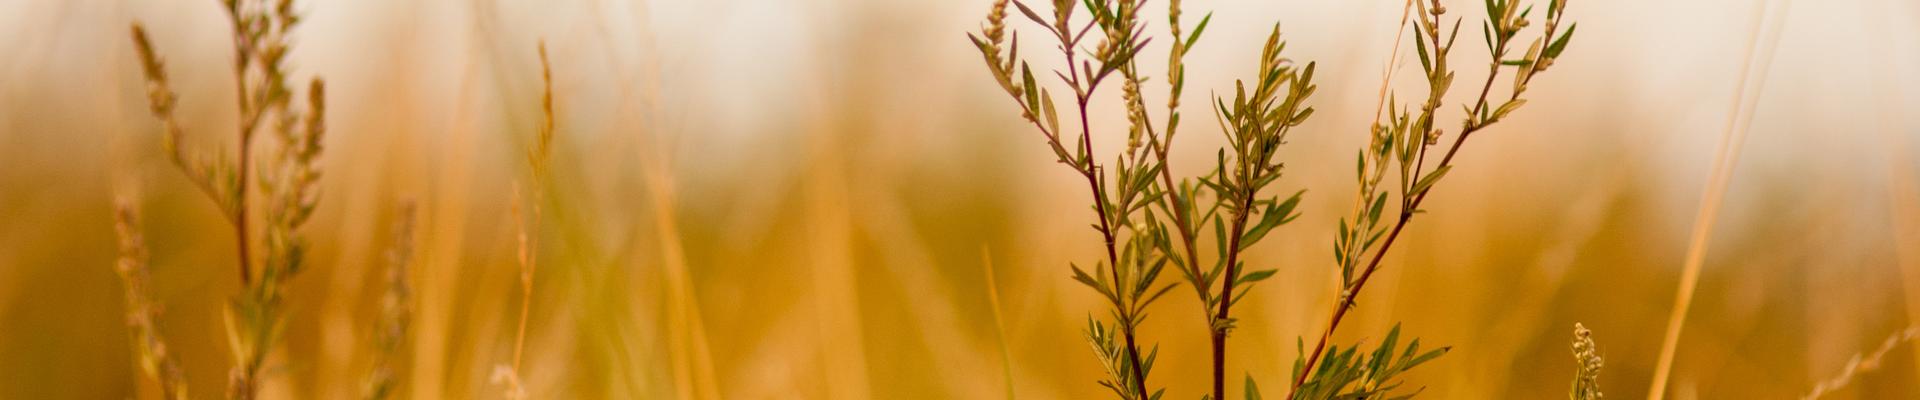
<point>289,180</point>
<point>1903,192</point>
<point>508,375</point>
<point>1393,61</point>
<point>143,313</point>
<point>1725,159</point>
<point>396,311</point>
<point>999,322</point>
<point>1861,363</point>
<point>832,271</point>
<point>693,373</point>
<point>527,224</point>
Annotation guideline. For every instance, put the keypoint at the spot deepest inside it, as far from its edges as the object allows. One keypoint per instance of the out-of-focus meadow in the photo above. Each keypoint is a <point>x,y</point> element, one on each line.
<point>800,199</point>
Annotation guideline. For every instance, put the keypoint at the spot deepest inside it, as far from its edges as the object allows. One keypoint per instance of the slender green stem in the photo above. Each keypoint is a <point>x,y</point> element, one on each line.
<point>1406,214</point>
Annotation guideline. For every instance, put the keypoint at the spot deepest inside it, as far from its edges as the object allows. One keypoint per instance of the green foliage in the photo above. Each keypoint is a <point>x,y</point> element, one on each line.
<point>1149,219</point>
<point>1122,190</point>
<point>1349,374</point>
<point>1256,123</point>
<point>1116,358</point>
<point>1252,391</point>
<point>1403,140</point>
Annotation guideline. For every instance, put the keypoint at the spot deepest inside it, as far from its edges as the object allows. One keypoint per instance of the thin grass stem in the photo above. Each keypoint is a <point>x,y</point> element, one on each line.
<point>1726,159</point>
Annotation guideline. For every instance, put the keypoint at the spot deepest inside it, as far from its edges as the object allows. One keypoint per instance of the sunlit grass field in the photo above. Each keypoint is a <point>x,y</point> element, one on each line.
<point>830,199</point>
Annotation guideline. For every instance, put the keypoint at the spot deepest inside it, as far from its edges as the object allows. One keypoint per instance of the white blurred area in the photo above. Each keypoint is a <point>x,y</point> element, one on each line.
<point>740,74</point>
<point>733,73</point>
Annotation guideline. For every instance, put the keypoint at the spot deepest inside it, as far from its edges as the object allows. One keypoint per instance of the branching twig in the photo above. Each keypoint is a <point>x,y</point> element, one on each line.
<point>1411,142</point>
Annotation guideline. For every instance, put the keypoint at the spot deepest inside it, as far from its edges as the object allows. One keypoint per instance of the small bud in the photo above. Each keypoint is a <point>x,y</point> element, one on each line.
<point>1520,23</point>
<point>1433,137</point>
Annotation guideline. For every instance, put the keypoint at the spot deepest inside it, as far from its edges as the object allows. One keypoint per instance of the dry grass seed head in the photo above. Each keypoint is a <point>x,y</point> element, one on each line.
<point>290,181</point>
<point>511,376</point>
<point>1861,363</point>
<point>1586,382</point>
<point>396,310</point>
<point>143,313</point>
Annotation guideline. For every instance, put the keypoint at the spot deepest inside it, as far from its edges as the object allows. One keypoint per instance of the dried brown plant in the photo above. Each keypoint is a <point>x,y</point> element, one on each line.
<point>289,180</point>
<point>143,313</point>
<point>395,323</point>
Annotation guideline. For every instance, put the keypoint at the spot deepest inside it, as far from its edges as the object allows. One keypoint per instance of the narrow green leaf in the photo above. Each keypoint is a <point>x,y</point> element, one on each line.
<point>1220,232</point>
<point>1026,78</point>
<point>1195,36</point>
<point>1379,203</point>
<point>1553,51</point>
<point>1428,356</point>
<point>1307,76</point>
<point>1259,230</point>
<point>1253,391</point>
<point>1508,108</point>
<point>1285,210</point>
<point>1487,33</point>
<point>1255,276</point>
<point>1030,14</point>
<point>1156,295</point>
<point>1451,37</point>
<point>1427,182</point>
<point>1422,46</point>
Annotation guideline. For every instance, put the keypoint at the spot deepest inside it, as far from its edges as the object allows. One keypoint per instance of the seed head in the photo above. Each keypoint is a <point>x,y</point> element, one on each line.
<point>997,23</point>
<point>1586,383</point>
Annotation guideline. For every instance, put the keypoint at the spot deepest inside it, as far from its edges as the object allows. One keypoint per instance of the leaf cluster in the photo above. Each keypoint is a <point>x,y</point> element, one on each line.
<point>1349,374</point>
<point>1116,359</point>
<point>1406,137</point>
<point>1255,122</point>
<point>1123,189</point>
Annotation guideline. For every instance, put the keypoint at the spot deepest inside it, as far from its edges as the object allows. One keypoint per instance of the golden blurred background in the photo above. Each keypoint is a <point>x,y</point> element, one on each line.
<point>757,199</point>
